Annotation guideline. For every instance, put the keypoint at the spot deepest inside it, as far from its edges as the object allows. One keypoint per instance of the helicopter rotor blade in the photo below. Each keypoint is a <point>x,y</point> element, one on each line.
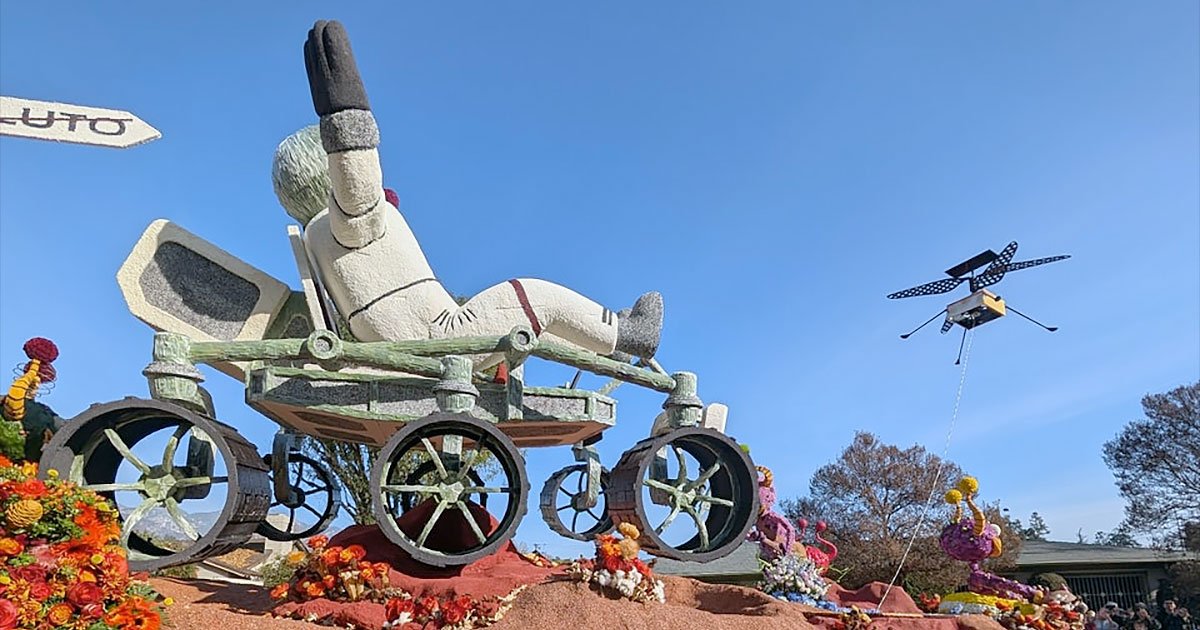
<point>1025,264</point>
<point>992,277</point>
<point>995,271</point>
<point>930,288</point>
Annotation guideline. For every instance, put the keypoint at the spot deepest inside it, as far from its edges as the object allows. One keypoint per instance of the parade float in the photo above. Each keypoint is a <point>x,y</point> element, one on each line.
<point>972,539</point>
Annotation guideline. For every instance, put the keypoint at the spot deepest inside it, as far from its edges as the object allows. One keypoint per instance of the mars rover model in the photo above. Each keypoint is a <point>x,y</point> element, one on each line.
<point>688,487</point>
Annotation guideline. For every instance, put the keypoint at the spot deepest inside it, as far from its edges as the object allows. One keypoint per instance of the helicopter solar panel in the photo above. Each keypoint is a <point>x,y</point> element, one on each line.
<point>971,264</point>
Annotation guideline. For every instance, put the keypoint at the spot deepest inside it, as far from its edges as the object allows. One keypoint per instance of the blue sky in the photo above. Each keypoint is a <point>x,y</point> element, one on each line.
<point>773,169</point>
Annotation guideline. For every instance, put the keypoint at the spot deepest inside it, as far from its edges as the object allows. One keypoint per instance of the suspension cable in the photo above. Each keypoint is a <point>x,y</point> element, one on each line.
<point>937,477</point>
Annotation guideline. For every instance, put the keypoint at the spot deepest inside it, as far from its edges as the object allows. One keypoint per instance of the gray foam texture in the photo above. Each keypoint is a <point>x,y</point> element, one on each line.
<point>198,291</point>
<point>349,129</point>
<point>640,328</point>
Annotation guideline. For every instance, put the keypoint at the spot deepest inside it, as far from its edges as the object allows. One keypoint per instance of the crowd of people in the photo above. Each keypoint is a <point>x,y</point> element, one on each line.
<point>1169,616</point>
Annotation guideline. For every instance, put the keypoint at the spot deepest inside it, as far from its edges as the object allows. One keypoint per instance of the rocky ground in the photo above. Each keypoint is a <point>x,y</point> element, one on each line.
<point>691,605</point>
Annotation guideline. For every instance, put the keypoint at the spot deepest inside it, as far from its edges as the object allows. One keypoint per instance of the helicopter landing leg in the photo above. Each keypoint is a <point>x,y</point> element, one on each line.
<point>1048,328</point>
<point>960,345</point>
<point>906,336</point>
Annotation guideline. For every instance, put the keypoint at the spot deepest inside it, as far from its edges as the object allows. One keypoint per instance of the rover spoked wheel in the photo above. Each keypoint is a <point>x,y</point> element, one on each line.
<point>425,474</point>
<point>691,492</point>
<point>312,503</point>
<point>186,486</point>
<point>449,528</point>
<point>563,504</point>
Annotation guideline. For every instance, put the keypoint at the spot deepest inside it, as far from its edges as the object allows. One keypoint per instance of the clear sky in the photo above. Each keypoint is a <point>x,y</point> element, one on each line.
<point>773,168</point>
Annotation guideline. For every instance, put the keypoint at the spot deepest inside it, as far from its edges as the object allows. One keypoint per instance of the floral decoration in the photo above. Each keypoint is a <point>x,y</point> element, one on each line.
<point>60,562</point>
<point>617,567</point>
<point>794,578</point>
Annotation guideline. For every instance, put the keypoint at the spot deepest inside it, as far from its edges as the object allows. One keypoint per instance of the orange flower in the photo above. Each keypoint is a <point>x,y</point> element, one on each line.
<point>59,614</point>
<point>332,556</point>
<point>353,553</point>
<point>10,546</point>
<point>317,542</point>
<point>280,591</point>
<point>314,590</point>
<point>30,488</point>
<point>5,462</point>
<point>328,581</point>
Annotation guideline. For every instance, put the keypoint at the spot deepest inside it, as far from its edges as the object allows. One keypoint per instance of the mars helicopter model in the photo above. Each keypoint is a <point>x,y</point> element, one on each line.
<point>981,306</point>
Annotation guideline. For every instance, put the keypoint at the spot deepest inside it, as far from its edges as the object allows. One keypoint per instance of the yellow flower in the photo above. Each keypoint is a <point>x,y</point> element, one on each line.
<point>295,557</point>
<point>4,579</point>
<point>968,486</point>
<point>954,497</point>
<point>96,558</point>
<point>168,601</point>
<point>29,469</point>
<point>24,513</point>
<point>52,473</point>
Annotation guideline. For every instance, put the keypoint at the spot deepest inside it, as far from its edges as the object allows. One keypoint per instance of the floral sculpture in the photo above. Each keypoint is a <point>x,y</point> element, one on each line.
<point>340,574</point>
<point>972,539</point>
<point>27,424</point>
<point>60,562</point>
<point>1015,605</point>
<point>618,568</point>
<point>823,558</point>
<point>788,569</point>
<point>772,531</point>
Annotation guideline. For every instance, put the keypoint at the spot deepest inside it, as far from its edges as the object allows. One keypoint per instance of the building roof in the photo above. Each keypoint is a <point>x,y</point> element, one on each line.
<point>1045,553</point>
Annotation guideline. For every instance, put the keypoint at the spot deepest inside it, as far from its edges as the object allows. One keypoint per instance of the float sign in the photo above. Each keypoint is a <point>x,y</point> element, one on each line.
<point>60,122</point>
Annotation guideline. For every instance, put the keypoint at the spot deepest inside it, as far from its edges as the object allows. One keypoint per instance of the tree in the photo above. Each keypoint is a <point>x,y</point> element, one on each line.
<point>1037,529</point>
<point>1119,537</point>
<point>1156,461</point>
<point>874,497</point>
<point>350,464</point>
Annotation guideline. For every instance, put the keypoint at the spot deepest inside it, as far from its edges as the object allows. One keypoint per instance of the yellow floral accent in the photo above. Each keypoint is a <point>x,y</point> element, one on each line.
<point>24,513</point>
<point>629,530</point>
<point>968,486</point>
<point>168,601</point>
<point>991,600</point>
<point>51,473</point>
<point>954,497</point>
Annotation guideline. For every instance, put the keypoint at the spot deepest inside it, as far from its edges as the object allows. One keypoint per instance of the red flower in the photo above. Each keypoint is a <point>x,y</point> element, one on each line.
<point>30,488</point>
<point>396,607</point>
<point>329,581</point>
<point>613,563</point>
<point>426,606</point>
<point>453,611</point>
<point>84,593</point>
<point>8,615</point>
<point>317,542</point>
<point>332,556</point>
<point>30,573</point>
<point>40,591</point>
<point>93,611</point>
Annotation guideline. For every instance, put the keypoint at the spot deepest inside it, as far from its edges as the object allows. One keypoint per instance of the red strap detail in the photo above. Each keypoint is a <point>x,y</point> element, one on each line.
<point>525,306</point>
<point>501,374</point>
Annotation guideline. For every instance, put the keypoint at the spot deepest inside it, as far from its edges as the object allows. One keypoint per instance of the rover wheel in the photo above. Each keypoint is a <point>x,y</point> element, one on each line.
<point>177,504</point>
<point>311,505</point>
<point>456,444</point>
<point>691,492</point>
<point>424,474</point>
<point>563,504</point>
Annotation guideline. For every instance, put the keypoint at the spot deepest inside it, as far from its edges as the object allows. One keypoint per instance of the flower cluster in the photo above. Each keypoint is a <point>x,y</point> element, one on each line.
<point>618,568</point>
<point>794,578</point>
<point>60,562</point>
<point>1052,616</point>
<point>451,613</point>
<point>968,603</point>
<point>335,573</point>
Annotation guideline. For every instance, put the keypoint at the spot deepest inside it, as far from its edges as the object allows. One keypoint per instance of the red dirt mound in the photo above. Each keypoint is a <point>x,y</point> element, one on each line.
<point>691,605</point>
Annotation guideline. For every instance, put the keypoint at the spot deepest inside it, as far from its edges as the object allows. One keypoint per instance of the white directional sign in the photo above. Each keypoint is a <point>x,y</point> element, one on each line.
<point>72,123</point>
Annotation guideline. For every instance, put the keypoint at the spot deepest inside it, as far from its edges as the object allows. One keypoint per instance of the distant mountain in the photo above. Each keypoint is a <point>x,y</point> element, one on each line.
<point>159,525</point>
